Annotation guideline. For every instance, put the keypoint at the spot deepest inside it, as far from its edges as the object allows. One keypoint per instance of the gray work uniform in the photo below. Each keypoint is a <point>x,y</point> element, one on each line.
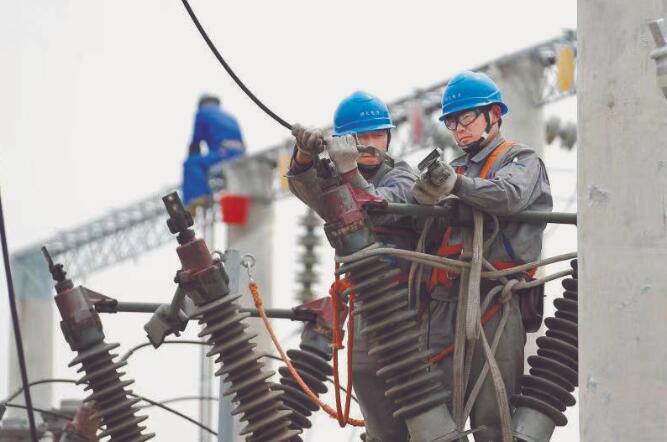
<point>517,181</point>
<point>394,185</point>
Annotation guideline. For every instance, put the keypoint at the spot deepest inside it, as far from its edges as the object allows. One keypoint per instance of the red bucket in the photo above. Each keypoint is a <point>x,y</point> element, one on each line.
<point>234,208</point>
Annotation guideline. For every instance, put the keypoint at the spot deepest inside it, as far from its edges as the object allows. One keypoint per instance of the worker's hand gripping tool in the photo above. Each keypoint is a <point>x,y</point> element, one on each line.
<point>432,168</point>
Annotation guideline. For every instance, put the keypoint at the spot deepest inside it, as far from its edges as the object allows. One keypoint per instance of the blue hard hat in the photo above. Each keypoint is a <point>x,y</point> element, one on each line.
<point>361,112</point>
<point>469,90</point>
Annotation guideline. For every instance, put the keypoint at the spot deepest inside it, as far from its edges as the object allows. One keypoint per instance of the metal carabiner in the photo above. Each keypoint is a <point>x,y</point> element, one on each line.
<point>248,261</point>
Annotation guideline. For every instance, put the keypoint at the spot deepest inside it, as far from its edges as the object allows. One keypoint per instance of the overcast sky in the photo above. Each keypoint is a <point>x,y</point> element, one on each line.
<point>97,100</point>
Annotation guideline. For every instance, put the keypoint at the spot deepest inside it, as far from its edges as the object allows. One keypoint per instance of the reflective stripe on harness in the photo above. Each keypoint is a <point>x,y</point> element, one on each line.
<point>442,276</point>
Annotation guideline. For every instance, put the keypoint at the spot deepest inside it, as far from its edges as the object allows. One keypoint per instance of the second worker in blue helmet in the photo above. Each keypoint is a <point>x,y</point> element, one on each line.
<point>361,119</point>
<point>499,177</point>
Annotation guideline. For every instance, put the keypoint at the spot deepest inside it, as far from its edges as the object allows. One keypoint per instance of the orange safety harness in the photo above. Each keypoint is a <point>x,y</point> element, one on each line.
<point>442,276</point>
<point>445,277</point>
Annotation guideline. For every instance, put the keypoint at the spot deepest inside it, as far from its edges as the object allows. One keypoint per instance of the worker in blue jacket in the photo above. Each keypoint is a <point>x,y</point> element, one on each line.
<point>224,141</point>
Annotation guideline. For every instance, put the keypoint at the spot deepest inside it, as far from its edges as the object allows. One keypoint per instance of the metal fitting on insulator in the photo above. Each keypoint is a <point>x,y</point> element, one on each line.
<point>659,54</point>
<point>347,226</point>
<point>204,279</point>
<point>547,391</point>
<point>82,328</point>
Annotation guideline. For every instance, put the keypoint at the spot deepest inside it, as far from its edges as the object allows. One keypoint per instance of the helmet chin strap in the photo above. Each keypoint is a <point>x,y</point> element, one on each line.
<point>475,146</point>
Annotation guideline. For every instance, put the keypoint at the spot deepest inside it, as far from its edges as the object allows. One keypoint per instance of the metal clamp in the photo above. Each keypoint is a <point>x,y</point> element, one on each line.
<point>168,319</point>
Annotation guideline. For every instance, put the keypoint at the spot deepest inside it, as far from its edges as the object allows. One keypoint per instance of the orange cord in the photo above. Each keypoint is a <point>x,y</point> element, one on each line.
<point>450,348</point>
<point>350,339</point>
<point>254,290</point>
<point>336,344</point>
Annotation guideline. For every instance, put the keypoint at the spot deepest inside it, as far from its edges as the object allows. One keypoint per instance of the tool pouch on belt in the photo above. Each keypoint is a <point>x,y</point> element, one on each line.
<point>531,304</point>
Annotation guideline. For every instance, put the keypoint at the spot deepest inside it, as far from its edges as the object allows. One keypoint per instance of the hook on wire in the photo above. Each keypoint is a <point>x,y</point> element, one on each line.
<point>248,261</point>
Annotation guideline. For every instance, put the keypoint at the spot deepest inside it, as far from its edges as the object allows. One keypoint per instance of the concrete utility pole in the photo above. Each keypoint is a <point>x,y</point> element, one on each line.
<point>622,189</point>
<point>253,178</point>
<point>35,309</point>
<point>521,83</point>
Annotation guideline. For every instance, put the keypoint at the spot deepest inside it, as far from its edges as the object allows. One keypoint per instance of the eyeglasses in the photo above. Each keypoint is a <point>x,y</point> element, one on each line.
<point>464,118</point>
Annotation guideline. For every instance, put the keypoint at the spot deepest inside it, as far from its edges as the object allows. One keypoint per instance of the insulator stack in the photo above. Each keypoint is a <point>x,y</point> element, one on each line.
<point>308,277</point>
<point>313,367</point>
<point>547,391</point>
<point>204,279</point>
<point>311,361</point>
<point>83,331</point>
<point>111,397</point>
<point>395,338</point>
<point>261,407</point>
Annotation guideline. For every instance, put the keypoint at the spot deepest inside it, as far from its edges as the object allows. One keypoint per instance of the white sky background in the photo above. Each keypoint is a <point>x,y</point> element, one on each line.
<point>96,107</point>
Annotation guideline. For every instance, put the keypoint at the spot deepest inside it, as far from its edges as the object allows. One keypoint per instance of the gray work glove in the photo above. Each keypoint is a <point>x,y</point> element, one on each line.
<point>309,140</point>
<point>344,153</point>
<point>434,184</point>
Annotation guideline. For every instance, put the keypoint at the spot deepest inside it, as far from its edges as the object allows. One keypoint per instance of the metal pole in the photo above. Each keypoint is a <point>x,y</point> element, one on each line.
<point>205,363</point>
<point>622,187</point>
<point>528,216</point>
<point>150,307</point>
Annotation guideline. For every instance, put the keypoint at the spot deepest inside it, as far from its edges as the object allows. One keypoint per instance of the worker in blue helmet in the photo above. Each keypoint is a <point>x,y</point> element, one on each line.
<point>500,177</point>
<point>361,120</point>
<point>221,134</point>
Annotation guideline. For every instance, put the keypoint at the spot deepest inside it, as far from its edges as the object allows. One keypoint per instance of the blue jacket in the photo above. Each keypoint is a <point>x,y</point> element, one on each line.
<point>219,130</point>
<point>222,135</point>
<point>195,175</point>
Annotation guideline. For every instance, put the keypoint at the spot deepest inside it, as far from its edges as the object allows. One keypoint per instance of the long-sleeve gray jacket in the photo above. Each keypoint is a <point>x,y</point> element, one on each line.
<point>517,181</point>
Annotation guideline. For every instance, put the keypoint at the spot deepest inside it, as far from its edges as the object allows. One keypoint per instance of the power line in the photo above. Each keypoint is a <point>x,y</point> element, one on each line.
<point>17,327</point>
<point>42,381</point>
<point>184,398</point>
<point>131,351</point>
<point>72,381</point>
<point>176,412</point>
<point>229,70</point>
<point>40,410</point>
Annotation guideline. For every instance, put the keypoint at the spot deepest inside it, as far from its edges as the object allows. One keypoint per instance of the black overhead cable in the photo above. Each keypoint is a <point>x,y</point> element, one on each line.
<point>17,328</point>
<point>42,381</point>
<point>185,398</point>
<point>177,413</point>
<point>229,70</point>
<point>131,351</point>
<point>72,381</point>
<point>39,410</point>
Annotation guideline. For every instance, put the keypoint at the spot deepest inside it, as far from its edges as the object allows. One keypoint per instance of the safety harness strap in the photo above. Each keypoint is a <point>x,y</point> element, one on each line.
<point>442,276</point>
